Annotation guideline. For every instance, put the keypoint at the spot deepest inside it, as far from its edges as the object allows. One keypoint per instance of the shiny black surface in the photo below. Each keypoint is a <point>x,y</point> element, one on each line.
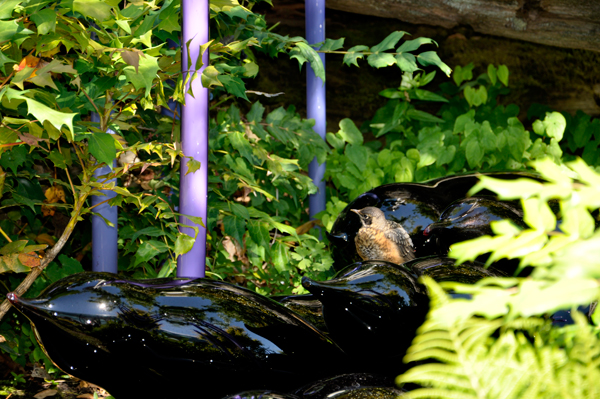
<point>413,205</point>
<point>305,306</point>
<point>372,310</point>
<point>470,218</point>
<point>181,336</point>
<point>357,385</point>
<point>261,394</point>
<point>441,268</point>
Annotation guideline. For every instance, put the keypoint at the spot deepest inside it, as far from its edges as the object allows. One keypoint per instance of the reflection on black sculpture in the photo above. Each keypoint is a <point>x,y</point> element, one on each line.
<point>130,337</point>
<point>414,206</point>
<point>180,339</point>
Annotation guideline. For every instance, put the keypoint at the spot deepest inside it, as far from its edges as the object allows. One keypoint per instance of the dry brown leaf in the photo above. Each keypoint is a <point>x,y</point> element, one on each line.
<point>54,194</point>
<point>230,248</point>
<point>45,238</point>
<point>28,61</point>
<point>47,210</point>
<point>305,228</point>
<point>85,396</point>
<point>45,393</point>
<point>30,259</point>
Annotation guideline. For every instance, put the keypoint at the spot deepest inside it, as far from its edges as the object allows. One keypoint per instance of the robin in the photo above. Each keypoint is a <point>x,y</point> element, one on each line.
<point>382,239</point>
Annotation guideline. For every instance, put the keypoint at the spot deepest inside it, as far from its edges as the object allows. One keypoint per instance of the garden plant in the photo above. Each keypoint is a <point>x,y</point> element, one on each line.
<point>61,61</point>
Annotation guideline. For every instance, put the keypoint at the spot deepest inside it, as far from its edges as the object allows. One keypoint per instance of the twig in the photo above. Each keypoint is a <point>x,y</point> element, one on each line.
<point>81,162</point>
<point>91,101</point>
<point>5,235</point>
<point>49,257</point>
<point>68,174</point>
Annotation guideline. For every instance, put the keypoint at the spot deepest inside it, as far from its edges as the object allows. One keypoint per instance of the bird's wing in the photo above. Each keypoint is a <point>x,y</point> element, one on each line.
<point>400,237</point>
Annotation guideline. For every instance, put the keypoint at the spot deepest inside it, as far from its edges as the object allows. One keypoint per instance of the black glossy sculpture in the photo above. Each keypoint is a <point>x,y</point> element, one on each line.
<point>345,386</point>
<point>470,218</point>
<point>372,310</point>
<point>183,336</point>
<point>351,386</point>
<point>441,268</point>
<point>414,206</point>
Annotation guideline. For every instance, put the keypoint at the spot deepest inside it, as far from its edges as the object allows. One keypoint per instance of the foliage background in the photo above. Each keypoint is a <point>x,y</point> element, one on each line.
<point>62,60</point>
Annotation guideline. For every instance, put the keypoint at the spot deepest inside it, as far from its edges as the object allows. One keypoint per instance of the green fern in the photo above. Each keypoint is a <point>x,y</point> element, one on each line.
<point>477,358</point>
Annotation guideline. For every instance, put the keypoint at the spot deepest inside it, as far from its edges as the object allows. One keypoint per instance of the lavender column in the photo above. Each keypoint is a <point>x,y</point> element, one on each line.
<point>194,138</point>
<point>104,237</point>
<point>315,98</point>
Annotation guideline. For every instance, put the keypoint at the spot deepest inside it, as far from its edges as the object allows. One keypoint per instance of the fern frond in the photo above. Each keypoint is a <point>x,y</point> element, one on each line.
<point>499,359</point>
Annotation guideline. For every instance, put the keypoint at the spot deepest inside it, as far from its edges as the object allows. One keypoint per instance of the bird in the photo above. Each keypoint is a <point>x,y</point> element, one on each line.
<point>382,239</point>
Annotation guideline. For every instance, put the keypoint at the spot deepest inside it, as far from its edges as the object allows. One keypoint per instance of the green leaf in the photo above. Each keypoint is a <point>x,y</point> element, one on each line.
<point>242,145</point>
<point>353,54</point>
<point>45,21</point>
<point>407,62</point>
<point>239,210</point>
<point>335,141</point>
<point>191,165</point>
<point>235,227</point>
<point>380,60</point>
<point>422,116</point>
<point>97,9</point>
<point>492,73</point>
<point>58,159</point>
<point>426,95</point>
<point>475,97</point>
<point>144,75</point>
<point>7,7</point>
<point>256,112</point>
<point>13,247</point>
<point>349,132</point>
<point>389,42</point>
<point>11,30</point>
<point>431,58</point>
<point>474,154</point>
<point>183,244</point>
<point>446,156</point>
<point>12,263</point>
<point>150,231</point>
<point>210,77</point>
<point>332,45</point>
<point>280,256</point>
<point>555,125</point>
<point>102,147</point>
<point>358,155</point>
<point>538,127</point>
<point>234,86</point>
<point>259,233</point>
<point>503,74</point>
<point>69,265</point>
<point>44,113</point>
<point>461,74</point>
<point>462,120</point>
<point>148,250</point>
<point>14,158</point>
<point>303,53</point>
<point>411,45</point>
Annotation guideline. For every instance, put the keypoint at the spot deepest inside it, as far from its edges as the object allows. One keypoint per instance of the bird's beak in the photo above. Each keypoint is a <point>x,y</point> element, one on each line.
<point>357,211</point>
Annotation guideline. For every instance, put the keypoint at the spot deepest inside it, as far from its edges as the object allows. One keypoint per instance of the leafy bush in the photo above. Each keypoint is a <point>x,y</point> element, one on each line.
<point>472,131</point>
<point>62,61</point>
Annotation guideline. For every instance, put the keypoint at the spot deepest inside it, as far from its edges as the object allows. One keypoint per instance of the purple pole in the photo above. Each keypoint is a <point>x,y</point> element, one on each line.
<point>104,237</point>
<point>194,138</point>
<point>315,99</point>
